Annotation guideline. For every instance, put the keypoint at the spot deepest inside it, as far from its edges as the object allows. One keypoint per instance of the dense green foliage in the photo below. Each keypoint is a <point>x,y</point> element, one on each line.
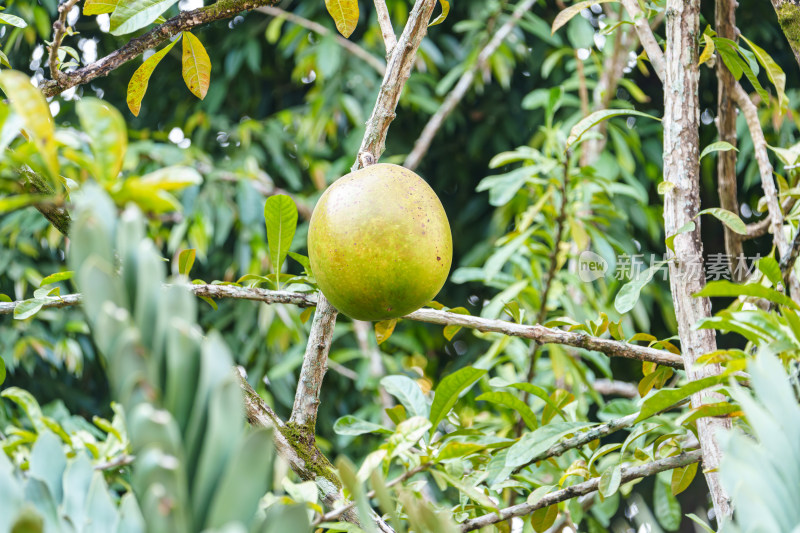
<point>188,181</point>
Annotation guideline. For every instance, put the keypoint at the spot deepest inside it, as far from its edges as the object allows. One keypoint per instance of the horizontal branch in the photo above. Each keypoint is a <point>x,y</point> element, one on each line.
<point>318,28</point>
<point>541,334</point>
<point>581,489</point>
<point>186,20</point>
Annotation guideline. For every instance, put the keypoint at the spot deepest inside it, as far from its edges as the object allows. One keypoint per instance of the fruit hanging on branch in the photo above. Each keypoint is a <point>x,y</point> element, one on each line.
<point>379,243</point>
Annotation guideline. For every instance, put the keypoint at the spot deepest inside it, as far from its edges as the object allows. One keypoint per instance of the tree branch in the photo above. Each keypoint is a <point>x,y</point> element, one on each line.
<point>385,23</point>
<point>186,20</point>
<point>348,45</point>
<point>460,90</point>
<point>57,216</point>
<point>608,387</point>
<point>646,37</point>
<point>581,489</point>
<point>59,28</point>
<point>537,332</point>
<point>681,204</point>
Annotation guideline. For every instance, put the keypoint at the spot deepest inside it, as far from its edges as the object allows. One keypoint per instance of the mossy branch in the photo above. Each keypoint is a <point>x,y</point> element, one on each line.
<point>58,216</point>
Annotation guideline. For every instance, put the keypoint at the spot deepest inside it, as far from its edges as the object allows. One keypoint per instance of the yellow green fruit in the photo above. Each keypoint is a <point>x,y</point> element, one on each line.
<point>379,243</point>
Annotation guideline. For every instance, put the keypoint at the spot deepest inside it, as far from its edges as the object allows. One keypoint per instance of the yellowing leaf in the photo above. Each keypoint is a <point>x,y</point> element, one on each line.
<point>566,15</point>
<point>99,7</point>
<point>344,14</point>
<point>443,15</point>
<point>384,329</point>
<point>196,65</point>
<point>141,78</point>
<point>29,103</point>
<point>708,51</point>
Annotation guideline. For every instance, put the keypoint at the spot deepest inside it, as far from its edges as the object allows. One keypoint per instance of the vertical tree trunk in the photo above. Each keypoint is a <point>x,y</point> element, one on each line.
<point>681,204</point>
<point>726,125</point>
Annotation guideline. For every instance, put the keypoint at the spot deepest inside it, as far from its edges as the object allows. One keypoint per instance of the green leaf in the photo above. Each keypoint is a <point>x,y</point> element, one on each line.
<point>443,15</point>
<point>280,215</point>
<point>566,15</point>
<point>544,518</point>
<point>774,72</point>
<point>597,117</point>
<point>28,308</point>
<point>666,507</point>
<point>771,269</point>
<point>729,289</point>
<point>720,146</point>
<point>448,391</point>
<point>536,442</point>
<point>699,521</point>
<point>13,20</point>
<point>450,330</point>
<point>55,278</point>
<point>728,218</point>
<point>682,478</point>
<point>351,425</point>
<point>628,295</point>
<point>196,65</point>
<point>186,260</point>
<point>108,136</point>
<point>170,178</point>
<point>18,201</point>
<point>384,329</point>
<point>512,402</point>
<point>133,15</point>
<point>99,7</point>
<point>2,370</point>
<point>29,103</point>
<point>709,409</point>
<point>28,403</point>
<point>610,481</point>
<point>689,226</point>
<point>141,78</point>
<point>408,392</point>
<point>344,14</point>
<point>669,397</point>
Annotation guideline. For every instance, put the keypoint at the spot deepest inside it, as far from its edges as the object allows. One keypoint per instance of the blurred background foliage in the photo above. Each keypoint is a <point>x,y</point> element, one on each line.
<point>285,114</point>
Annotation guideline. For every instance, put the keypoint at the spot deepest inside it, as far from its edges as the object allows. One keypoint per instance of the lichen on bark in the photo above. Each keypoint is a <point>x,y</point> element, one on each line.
<point>301,438</point>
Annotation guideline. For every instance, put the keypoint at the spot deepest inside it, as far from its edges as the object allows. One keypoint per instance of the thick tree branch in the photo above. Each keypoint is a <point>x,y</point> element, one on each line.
<point>789,18</point>
<point>385,23</point>
<point>727,186</point>
<point>646,37</point>
<point>348,45</point>
<point>539,333</point>
<point>186,20</point>
<point>681,205</point>
<point>628,474</point>
<point>460,90</point>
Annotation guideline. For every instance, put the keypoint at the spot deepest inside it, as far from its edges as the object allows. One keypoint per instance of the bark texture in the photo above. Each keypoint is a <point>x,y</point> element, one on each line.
<point>681,205</point>
<point>789,18</point>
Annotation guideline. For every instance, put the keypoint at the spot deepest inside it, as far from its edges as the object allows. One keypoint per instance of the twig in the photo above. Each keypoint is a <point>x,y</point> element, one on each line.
<point>184,21</point>
<point>57,216</point>
<point>397,72</point>
<point>543,334</point>
<point>348,45</point>
<point>608,387</point>
<point>727,186</point>
<point>787,262</point>
<point>315,364</point>
<point>628,474</point>
<point>59,28</point>
<point>385,22</point>
<point>116,462</point>
<point>646,37</point>
<point>761,227</point>
<point>457,93</point>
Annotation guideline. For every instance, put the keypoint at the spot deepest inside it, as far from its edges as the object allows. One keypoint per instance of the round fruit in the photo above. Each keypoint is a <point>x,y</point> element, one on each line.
<point>379,243</point>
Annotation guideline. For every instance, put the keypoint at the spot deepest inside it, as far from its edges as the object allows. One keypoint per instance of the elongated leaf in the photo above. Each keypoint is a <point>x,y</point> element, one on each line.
<point>351,425</point>
<point>28,308</point>
<point>29,103</point>
<point>99,7</point>
<point>566,15</point>
<point>7,18</point>
<point>682,478</point>
<point>710,409</point>
<point>141,78</point>
<point>512,402</point>
<point>18,201</point>
<point>408,392</point>
<point>108,136</point>
<point>55,278</point>
<point>186,260</point>
<point>629,293</point>
<point>29,405</point>
<point>720,146</point>
<point>448,391</point>
<point>171,178</point>
<point>708,50</point>
<point>384,329</point>
<point>666,507</point>
<point>729,218</point>
<point>544,518</point>
<point>280,215</point>
<point>196,65</point>
<point>133,15</point>
<point>774,72</point>
<point>770,267</point>
<point>668,397</point>
<point>610,480</point>
<point>2,370</point>
<point>536,442</point>
<point>344,14</point>
<point>445,11</point>
<point>730,289</point>
<point>597,117</point>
